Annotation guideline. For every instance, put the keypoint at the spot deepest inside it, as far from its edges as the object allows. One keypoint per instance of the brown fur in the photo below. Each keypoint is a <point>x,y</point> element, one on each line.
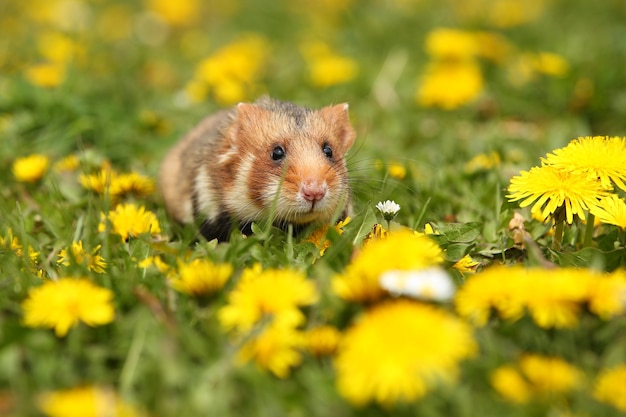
<point>224,169</point>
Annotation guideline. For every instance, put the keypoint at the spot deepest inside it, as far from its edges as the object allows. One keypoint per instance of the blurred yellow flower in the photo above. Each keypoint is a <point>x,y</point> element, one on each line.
<point>277,293</point>
<point>93,260</point>
<point>117,185</point>
<point>449,84</point>
<point>30,168</point>
<point>46,75</point>
<point>610,387</point>
<point>493,46</point>
<point>128,220</point>
<point>176,13</point>
<point>59,48</point>
<point>445,43</point>
<point>322,340</point>
<point>550,64</point>
<point>155,261</point>
<point>231,72</point>
<point>398,350</point>
<point>12,243</point>
<point>397,171</point>
<point>607,296</point>
<point>402,250</point>
<point>554,190</point>
<point>535,376</point>
<point>200,277</point>
<point>553,297</point>
<point>326,67</point>
<point>510,13</point>
<point>88,401</point>
<point>550,375</point>
<point>62,304</point>
<point>68,164</point>
<point>276,348</point>
<point>603,157</point>
<point>482,162</point>
<point>508,382</point>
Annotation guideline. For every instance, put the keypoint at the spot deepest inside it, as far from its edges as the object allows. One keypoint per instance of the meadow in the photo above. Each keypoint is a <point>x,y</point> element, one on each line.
<point>482,273</point>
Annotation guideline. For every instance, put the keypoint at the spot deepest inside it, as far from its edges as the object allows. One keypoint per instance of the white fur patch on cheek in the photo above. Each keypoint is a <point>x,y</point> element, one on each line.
<point>238,197</point>
<point>205,198</point>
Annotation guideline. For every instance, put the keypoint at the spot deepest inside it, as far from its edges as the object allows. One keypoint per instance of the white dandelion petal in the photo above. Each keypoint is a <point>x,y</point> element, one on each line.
<point>428,284</point>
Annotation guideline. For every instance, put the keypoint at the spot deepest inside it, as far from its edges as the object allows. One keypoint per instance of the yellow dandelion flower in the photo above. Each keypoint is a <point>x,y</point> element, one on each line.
<point>466,265</point>
<point>398,350</point>
<point>176,13</point>
<point>397,171</point>
<point>62,304</point>
<point>493,288</point>
<point>88,401</point>
<point>451,44</point>
<point>550,64</point>
<point>155,261</point>
<point>322,340</point>
<point>59,48</point>
<point>508,382</point>
<point>401,250</point>
<point>128,220</point>
<point>231,71</point>
<point>326,67</point>
<point>276,348</point>
<point>131,183</point>
<point>551,189</point>
<point>610,210</point>
<point>610,387</point>
<point>550,375</point>
<point>12,243</point>
<point>378,232</point>
<point>493,46</point>
<point>602,157</point>
<point>117,185</point>
<point>607,296</point>
<point>558,298</point>
<point>272,292</point>
<point>93,260</point>
<point>318,237</point>
<point>200,277</point>
<point>47,75</point>
<point>98,182</point>
<point>510,13</point>
<point>68,164</point>
<point>553,298</point>
<point>449,85</point>
<point>30,168</point>
<point>482,162</point>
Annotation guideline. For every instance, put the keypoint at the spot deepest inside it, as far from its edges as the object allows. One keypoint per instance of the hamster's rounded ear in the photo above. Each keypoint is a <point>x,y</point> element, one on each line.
<point>338,118</point>
<point>247,116</point>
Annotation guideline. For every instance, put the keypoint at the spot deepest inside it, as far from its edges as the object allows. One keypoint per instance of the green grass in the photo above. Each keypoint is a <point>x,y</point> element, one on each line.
<point>120,102</point>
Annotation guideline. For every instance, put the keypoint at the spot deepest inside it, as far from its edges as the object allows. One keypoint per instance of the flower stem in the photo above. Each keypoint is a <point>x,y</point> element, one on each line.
<point>558,235</point>
<point>589,228</point>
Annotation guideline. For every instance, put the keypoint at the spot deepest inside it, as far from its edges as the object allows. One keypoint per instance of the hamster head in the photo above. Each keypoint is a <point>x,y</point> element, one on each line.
<point>287,160</point>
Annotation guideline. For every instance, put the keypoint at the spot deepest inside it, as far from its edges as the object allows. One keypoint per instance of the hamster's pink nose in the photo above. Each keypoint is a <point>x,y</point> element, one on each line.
<point>313,191</point>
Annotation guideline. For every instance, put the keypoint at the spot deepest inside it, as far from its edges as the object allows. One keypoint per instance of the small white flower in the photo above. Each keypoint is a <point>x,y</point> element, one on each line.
<point>428,284</point>
<point>389,209</point>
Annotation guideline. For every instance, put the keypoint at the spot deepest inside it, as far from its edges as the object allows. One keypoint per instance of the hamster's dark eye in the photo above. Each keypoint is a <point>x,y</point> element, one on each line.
<point>328,151</point>
<point>278,154</point>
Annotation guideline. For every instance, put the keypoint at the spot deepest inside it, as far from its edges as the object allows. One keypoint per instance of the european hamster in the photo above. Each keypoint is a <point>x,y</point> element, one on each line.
<point>259,159</point>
